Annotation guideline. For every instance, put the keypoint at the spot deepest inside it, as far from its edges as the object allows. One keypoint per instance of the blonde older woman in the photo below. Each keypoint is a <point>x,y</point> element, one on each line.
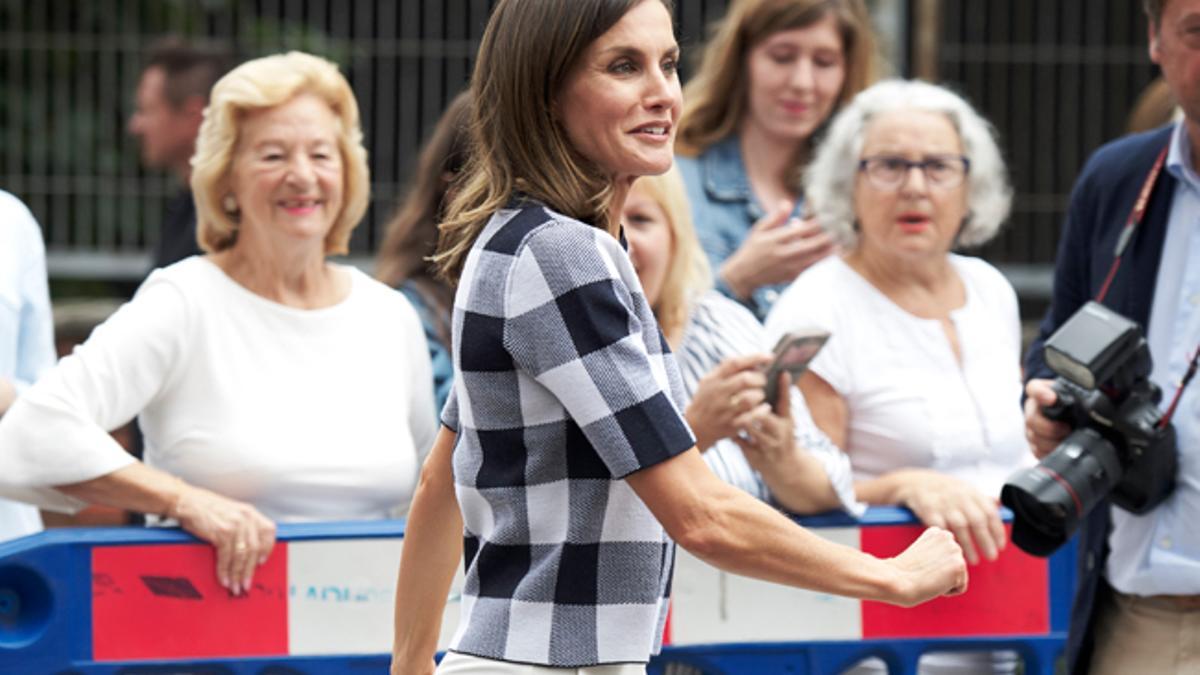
<point>270,384</point>
<point>920,382</point>
<point>773,452</point>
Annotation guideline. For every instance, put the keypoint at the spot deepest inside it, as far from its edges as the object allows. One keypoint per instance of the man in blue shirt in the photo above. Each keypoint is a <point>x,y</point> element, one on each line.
<point>26,329</point>
<point>1138,602</point>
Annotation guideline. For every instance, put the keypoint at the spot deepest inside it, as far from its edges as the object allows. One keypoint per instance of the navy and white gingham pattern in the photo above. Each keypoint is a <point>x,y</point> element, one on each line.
<point>564,386</point>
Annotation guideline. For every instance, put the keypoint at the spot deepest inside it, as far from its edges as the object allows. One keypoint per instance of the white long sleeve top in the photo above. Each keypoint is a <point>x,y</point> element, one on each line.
<point>306,414</point>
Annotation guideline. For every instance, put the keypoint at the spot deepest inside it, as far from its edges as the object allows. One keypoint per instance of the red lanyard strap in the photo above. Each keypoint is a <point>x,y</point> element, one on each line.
<point>1135,219</point>
<point>1183,383</point>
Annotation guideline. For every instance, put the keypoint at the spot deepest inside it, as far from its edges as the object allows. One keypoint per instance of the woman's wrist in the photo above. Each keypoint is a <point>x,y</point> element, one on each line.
<point>175,500</point>
<point>415,649</point>
<point>907,484</point>
<point>892,488</point>
<point>893,585</point>
<point>704,440</point>
<point>732,278</point>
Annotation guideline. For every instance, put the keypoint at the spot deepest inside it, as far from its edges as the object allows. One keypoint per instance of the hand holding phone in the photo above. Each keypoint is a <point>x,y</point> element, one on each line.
<point>793,353</point>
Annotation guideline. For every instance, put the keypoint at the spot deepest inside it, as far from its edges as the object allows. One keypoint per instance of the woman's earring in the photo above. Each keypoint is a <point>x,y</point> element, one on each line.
<point>229,204</point>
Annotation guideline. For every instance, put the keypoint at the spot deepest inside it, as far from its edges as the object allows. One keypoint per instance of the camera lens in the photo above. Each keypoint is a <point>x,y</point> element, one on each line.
<point>1041,522</point>
<point>1049,500</point>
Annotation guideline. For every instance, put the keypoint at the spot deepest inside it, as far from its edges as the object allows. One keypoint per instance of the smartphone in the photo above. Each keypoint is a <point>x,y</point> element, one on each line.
<point>793,353</point>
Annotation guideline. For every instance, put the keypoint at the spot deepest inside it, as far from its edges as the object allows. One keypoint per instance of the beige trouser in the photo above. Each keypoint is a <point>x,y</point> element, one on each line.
<point>462,664</point>
<point>1146,635</point>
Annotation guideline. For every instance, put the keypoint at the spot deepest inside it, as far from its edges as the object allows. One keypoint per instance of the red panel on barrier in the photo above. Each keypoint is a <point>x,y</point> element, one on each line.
<point>1005,597</point>
<point>164,602</point>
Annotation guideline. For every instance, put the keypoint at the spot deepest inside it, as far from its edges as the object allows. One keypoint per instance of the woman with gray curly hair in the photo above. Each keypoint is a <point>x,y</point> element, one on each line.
<point>920,382</point>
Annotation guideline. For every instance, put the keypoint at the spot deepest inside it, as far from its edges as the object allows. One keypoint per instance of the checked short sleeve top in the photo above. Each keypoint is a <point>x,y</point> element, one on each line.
<point>565,386</point>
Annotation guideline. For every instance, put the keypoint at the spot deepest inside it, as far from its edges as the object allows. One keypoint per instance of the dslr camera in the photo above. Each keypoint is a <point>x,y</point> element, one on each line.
<point>1118,444</point>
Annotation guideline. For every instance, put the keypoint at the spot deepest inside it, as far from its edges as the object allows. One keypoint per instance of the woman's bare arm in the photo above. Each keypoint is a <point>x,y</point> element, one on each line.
<point>937,499</point>
<point>432,550</point>
<point>828,408</point>
<point>735,532</point>
<point>242,536</point>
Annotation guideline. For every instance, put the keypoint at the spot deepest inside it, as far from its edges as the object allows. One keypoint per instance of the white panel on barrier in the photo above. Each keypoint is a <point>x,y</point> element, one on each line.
<point>342,596</point>
<point>711,606</point>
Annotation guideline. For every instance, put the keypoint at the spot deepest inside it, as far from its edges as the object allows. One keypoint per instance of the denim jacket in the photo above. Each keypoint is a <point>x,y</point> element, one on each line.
<point>724,209</point>
<point>439,352</point>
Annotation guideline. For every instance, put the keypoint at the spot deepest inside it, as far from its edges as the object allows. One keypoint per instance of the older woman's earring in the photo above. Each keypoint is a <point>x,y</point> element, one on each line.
<point>229,203</point>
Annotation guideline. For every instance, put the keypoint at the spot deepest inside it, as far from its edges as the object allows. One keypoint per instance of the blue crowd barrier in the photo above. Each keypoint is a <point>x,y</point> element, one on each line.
<point>1018,603</point>
<point>136,601</point>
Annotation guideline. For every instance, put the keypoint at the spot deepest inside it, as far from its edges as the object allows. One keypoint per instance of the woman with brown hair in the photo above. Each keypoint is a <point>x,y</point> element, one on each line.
<point>412,234</point>
<point>564,470</point>
<point>772,74</point>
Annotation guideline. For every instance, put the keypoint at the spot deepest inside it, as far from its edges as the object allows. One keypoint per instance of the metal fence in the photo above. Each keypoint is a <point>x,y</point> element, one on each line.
<point>1057,77</point>
<point>68,69</point>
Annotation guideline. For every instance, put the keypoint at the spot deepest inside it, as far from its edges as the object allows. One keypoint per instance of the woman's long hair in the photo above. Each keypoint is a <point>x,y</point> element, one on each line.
<point>518,144</point>
<point>715,99</point>
<point>688,275</point>
<point>412,232</point>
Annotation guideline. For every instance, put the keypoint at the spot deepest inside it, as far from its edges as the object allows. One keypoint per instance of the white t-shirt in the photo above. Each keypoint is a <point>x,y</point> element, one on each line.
<point>306,414</point>
<point>910,402</point>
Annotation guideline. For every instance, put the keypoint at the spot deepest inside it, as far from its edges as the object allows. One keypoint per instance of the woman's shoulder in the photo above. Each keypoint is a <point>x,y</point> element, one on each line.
<point>554,238</point>
<point>533,246</point>
<point>718,309</point>
<point>715,314</point>
<point>379,299</point>
<point>716,172</point>
<point>411,292</point>
<point>514,228</point>
<point>367,285</point>
<point>194,276</point>
<point>823,282</point>
<point>817,295</point>
<point>975,266</point>
<point>982,275</point>
<point>689,167</point>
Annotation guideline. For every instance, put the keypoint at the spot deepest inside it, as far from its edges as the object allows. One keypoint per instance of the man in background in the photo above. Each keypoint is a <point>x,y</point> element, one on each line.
<point>169,106</point>
<point>1137,605</point>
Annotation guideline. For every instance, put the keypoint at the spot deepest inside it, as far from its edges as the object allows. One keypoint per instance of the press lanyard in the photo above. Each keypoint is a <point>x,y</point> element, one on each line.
<point>1131,225</point>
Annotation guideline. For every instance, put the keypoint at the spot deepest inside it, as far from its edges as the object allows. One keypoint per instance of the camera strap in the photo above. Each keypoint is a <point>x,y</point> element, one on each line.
<point>1131,225</point>
<point>1183,382</point>
<point>1132,222</point>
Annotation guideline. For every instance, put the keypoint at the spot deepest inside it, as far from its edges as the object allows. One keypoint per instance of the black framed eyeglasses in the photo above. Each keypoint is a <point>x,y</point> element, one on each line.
<point>889,172</point>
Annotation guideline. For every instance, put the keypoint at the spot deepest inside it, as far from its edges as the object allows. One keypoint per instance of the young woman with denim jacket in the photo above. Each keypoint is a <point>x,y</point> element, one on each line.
<point>772,74</point>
